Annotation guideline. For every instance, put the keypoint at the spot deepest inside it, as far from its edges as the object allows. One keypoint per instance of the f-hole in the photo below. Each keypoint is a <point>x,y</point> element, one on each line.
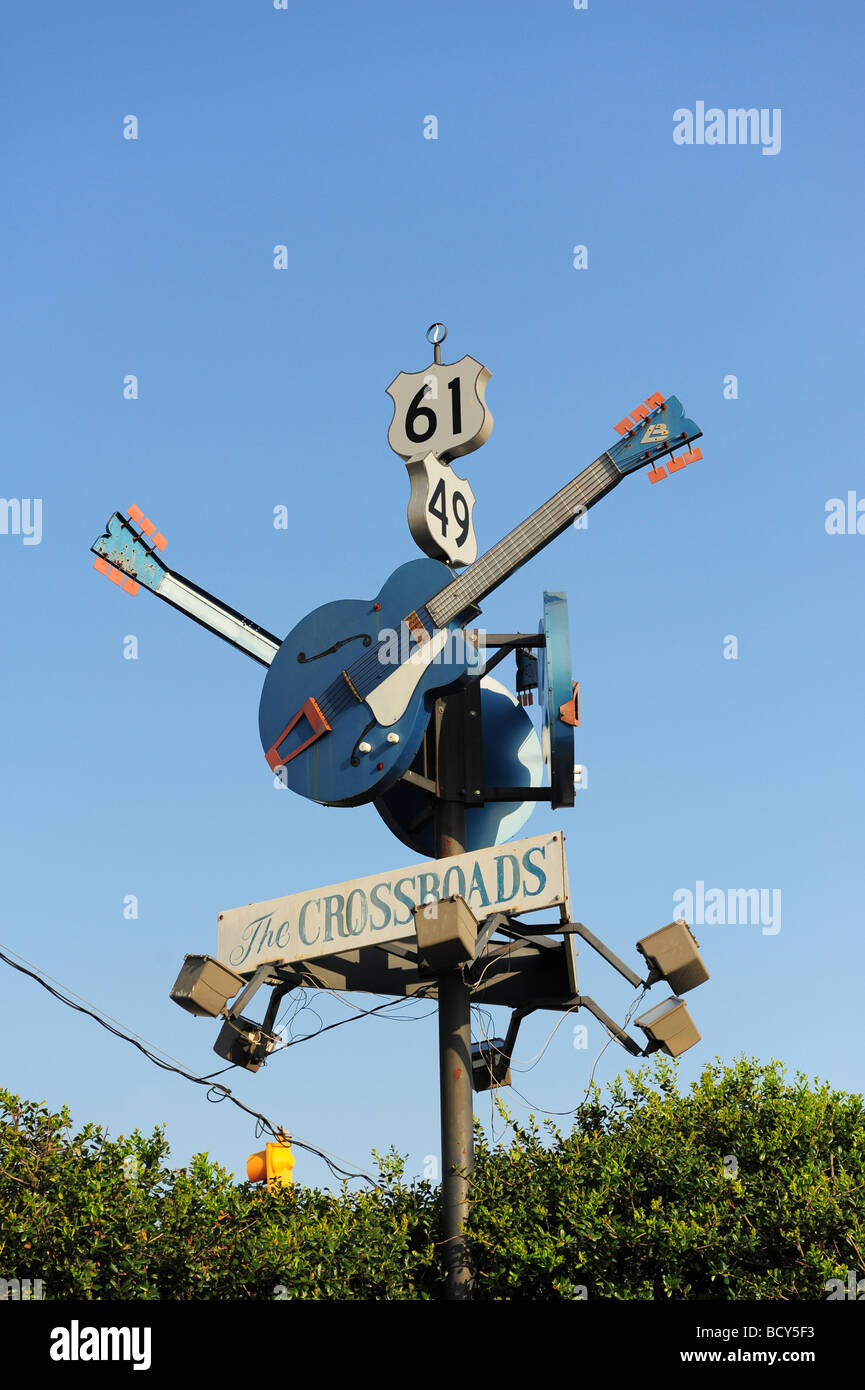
<point>367,640</point>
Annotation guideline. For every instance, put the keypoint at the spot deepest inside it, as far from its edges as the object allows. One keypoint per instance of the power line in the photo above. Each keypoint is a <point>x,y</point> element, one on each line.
<point>216,1091</point>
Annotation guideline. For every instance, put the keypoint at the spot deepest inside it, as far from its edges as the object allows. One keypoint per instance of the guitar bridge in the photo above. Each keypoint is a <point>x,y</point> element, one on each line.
<point>309,711</point>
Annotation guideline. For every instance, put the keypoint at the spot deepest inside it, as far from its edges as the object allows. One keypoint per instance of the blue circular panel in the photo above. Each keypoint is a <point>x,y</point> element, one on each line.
<point>556,689</point>
<point>512,758</point>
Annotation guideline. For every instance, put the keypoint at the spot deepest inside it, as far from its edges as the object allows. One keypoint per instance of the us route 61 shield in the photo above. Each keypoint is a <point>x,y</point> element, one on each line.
<point>440,411</point>
<point>440,511</point>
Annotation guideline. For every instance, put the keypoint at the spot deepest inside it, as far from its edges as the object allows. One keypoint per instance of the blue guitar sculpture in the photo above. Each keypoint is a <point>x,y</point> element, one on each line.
<point>345,704</point>
<point>349,692</point>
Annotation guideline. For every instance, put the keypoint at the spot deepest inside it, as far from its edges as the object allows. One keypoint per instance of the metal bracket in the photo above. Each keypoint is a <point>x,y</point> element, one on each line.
<point>506,643</point>
<point>609,956</point>
<point>618,1033</point>
<point>246,994</point>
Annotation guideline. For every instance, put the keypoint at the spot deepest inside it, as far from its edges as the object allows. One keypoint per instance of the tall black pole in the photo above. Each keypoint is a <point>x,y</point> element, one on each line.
<point>456,1083</point>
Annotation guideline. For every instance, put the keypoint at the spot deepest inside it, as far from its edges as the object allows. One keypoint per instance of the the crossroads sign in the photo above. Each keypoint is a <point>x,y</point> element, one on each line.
<point>522,876</point>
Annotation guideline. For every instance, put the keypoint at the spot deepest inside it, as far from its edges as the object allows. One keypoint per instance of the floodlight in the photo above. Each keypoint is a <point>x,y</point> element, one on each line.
<point>244,1043</point>
<point>446,932</point>
<point>669,1026</point>
<point>673,956</point>
<point>491,1065</point>
<point>204,986</point>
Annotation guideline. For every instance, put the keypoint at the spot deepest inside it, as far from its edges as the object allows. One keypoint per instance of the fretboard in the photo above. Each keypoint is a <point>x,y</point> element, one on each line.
<point>524,541</point>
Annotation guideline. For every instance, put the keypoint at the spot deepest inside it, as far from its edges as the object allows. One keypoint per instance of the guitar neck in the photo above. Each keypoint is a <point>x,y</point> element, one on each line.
<point>126,551</point>
<point>525,541</point>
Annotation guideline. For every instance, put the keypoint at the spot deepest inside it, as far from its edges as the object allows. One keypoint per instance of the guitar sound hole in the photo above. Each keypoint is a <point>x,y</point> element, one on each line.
<point>302,656</point>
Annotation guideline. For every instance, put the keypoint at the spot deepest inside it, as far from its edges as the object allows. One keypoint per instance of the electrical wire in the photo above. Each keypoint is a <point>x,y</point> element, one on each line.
<point>533,1061</point>
<point>611,1038</point>
<point>353,1018</point>
<point>42,975</point>
<point>213,1088</point>
<point>392,1018</point>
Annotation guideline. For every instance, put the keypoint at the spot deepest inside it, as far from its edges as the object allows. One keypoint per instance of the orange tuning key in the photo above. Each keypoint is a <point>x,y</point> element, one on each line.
<point>135,513</point>
<point>675,464</point>
<point>640,413</point>
<point>147,527</point>
<point>159,542</point>
<point>101,565</point>
<point>115,576</point>
<point>693,456</point>
<point>624,426</point>
<point>655,400</point>
<point>130,586</point>
<point>656,474</point>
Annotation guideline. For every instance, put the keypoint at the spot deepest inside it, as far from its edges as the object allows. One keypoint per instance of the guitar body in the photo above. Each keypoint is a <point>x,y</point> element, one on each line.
<point>366,641</point>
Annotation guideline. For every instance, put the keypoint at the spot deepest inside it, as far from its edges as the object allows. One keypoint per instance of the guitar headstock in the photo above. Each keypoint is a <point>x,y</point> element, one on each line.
<point>652,430</point>
<point>126,552</point>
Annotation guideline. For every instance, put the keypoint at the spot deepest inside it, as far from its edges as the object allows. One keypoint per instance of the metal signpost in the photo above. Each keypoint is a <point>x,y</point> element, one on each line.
<point>390,700</point>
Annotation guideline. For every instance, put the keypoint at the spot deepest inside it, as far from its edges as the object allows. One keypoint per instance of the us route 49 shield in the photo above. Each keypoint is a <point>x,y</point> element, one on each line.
<point>440,511</point>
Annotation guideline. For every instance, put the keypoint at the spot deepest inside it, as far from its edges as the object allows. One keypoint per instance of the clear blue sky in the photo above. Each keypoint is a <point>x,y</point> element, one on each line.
<point>260,387</point>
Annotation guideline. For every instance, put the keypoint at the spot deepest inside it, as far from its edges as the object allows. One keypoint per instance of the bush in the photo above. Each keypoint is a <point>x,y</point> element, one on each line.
<point>744,1187</point>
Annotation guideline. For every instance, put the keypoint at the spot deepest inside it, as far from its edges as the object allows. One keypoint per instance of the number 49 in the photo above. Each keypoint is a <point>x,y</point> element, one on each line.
<point>438,508</point>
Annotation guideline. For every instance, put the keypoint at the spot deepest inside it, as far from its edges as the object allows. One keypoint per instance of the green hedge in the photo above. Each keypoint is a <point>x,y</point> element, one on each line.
<point>745,1186</point>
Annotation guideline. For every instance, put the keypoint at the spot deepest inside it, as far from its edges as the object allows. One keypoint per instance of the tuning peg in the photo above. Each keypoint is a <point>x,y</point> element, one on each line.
<point>674,464</point>
<point>147,527</point>
<point>640,413</point>
<point>692,456</point>
<point>656,474</point>
<point>122,580</point>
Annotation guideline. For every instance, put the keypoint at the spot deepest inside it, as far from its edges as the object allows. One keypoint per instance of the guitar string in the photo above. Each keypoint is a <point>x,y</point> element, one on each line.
<point>496,563</point>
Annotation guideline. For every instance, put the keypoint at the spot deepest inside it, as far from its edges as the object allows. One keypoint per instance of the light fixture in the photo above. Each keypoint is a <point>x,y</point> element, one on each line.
<point>673,956</point>
<point>244,1043</point>
<point>204,986</point>
<point>491,1065</point>
<point>669,1026</point>
<point>446,932</point>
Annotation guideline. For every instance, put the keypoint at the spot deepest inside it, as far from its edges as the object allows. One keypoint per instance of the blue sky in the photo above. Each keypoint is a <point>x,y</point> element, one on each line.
<point>261,387</point>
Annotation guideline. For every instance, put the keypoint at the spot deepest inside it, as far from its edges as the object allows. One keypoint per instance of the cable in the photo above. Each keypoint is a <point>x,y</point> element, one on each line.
<point>408,999</point>
<point>354,1018</point>
<point>213,1088</point>
<point>611,1038</point>
<point>42,976</point>
<point>628,1016</point>
<point>533,1061</point>
<point>494,960</point>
